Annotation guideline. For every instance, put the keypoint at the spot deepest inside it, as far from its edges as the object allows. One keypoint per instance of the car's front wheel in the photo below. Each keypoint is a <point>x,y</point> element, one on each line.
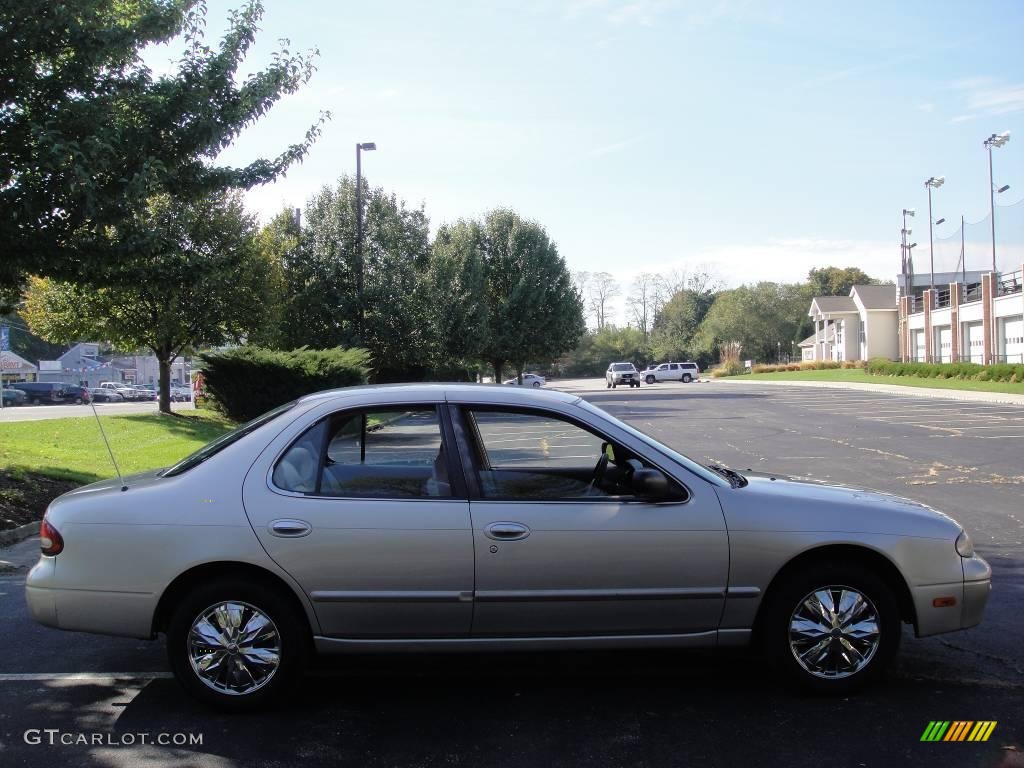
<point>649,379</point>
<point>833,628</point>
<point>236,645</point>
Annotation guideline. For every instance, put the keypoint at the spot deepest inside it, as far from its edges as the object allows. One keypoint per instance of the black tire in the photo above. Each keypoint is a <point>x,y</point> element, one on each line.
<point>35,401</point>
<point>787,596</point>
<point>536,384</point>
<point>687,378</point>
<point>650,379</point>
<point>293,634</point>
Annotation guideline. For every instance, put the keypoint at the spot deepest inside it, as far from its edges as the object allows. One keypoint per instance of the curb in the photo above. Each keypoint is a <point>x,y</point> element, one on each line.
<point>22,532</point>
<point>967,396</point>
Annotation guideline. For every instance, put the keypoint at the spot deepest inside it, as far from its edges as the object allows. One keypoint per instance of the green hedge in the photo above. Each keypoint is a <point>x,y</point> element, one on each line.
<point>247,381</point>
<point>975,371</point>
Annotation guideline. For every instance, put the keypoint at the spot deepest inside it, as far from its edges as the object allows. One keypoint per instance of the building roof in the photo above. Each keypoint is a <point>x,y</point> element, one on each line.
<point>11,362</point>
<point>876,296</point>
<point>830,337</point>
<point>827,304</point>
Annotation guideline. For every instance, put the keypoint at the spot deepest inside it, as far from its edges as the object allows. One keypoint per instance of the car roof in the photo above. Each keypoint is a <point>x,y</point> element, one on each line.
<point>498,394</point>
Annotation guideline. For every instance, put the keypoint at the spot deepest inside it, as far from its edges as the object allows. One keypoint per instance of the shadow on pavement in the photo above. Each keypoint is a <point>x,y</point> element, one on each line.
<point>581,709</point>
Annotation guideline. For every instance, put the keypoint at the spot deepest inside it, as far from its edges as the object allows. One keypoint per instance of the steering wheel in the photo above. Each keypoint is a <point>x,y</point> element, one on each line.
<point>599,470</point>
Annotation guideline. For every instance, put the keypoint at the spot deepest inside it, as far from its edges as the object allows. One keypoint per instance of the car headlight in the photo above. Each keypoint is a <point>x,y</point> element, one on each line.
<point>964,545</point>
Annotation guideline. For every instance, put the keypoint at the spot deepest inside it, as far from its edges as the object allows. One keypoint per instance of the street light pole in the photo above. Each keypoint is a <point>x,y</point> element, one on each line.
<point>995,140</point>
<point>932,183</point>
<point>366,146</point>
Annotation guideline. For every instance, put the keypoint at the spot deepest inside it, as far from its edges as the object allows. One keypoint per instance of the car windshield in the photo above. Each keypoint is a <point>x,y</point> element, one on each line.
<point>622,367</point>
<point>696,467</point>
<point>222,442</point>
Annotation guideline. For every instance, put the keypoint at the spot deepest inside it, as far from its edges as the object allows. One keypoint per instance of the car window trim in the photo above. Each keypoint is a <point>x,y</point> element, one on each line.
<point>471,455</point>
<point>458,489</point>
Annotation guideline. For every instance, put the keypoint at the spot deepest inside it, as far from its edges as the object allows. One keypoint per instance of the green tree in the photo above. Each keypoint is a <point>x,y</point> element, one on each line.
<point>458,291</point>
<point>319,266</point>
<point>88,134</point>
<point>534,310</point>
<point>835,281</point>
<point>202,283</point>
<point>763,318</point>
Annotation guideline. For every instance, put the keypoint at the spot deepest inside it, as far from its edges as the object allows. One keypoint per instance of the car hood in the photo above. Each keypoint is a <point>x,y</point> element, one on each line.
<point>777,502</point>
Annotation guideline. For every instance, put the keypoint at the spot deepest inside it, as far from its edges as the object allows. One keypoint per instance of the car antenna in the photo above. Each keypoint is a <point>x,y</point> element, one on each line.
<point>107,443</point>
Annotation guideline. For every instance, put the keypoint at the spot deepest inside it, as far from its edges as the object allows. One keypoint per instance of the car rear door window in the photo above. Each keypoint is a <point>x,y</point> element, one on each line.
<point>386,453</point>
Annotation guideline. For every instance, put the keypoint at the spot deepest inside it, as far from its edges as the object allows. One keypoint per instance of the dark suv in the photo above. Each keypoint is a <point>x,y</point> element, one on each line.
<point>39,392</point>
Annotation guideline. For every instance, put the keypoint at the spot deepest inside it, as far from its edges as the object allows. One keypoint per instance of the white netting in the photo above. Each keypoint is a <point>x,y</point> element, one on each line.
<point>971,249</point>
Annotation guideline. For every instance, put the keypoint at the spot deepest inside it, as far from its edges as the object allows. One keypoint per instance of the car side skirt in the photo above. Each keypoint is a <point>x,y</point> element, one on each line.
<point>709,639</point>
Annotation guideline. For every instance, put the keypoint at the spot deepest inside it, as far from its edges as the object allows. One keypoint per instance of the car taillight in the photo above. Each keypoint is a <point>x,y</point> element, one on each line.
<point>50,541</point>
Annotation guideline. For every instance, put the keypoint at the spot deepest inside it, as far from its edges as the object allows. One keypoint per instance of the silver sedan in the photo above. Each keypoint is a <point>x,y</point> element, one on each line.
<point>440,517</point>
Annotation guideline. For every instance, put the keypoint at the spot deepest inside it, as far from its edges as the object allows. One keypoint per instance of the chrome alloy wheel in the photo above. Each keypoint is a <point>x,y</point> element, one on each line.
<point>234,648</point>
<point>834,632</point>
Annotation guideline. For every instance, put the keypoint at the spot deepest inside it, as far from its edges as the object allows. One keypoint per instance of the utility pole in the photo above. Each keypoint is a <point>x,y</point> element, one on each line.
<point>994,141</point>
<point>366,146</point>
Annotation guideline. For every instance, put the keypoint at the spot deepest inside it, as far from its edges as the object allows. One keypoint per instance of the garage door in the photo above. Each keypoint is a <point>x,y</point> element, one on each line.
<point>917,345</point>
<point>943,343</point>
<point>974,342</point>
<point>1011,339</point>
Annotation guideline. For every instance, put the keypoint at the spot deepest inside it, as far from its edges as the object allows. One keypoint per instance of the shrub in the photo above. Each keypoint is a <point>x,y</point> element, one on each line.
<point>728,368</point>
<point>975,371</point>
<point>247,381</point>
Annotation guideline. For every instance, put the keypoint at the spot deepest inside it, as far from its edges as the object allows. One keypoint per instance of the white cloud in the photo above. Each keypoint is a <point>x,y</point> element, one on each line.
<point>988,96</point>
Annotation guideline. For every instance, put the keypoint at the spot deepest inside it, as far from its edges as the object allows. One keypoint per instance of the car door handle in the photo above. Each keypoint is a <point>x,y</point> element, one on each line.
<point>506,531</point>
<point>290,529</point>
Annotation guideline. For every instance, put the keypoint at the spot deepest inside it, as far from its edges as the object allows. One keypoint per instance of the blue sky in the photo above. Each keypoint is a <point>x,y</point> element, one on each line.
<point>761,138</point>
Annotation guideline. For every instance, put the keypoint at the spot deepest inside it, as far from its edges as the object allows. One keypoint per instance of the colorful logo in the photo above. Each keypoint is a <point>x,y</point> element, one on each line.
<point>958,730</point>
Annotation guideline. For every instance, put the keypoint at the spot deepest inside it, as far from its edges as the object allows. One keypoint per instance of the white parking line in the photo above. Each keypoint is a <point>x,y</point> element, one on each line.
<point>14,677</point>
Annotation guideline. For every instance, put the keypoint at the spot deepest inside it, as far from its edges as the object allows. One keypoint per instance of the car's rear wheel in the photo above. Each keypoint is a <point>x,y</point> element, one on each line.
<point>833,628</point>
<point>649,379</point>
<point>536,384</point>
<point>687,378</point>
<point>236,645</point>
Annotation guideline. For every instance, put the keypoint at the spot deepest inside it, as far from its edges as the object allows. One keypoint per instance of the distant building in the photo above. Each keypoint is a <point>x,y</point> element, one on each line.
<point>859,326</point>
<point>15,368</point>
<point>83,365</point>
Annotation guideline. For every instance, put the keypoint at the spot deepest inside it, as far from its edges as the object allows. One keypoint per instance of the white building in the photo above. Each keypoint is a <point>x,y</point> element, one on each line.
<point>978,322</point>
<point>859,326</point>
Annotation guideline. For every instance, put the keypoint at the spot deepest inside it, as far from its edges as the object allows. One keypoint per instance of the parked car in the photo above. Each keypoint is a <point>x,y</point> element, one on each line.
<point>144,393</point>
<point>686,372</point>
<point>102,395</point>
<point>622,373</point>
<point>529,380</point>
<point>13,397</point>
<point>75,394</point>
<point>181,394</point>
<point>584,532</point>
<point>125,390</point>
<point>42,392</point>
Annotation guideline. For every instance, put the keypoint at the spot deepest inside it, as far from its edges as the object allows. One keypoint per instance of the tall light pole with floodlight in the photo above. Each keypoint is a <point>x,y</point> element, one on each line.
<point>366,146</point>
<point>933,183</point>
<point>994,141</point>
<point>908,268</point>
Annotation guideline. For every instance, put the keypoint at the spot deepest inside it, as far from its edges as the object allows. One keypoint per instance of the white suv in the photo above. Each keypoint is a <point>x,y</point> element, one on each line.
<point>672,372</point>
<point>621,373</point>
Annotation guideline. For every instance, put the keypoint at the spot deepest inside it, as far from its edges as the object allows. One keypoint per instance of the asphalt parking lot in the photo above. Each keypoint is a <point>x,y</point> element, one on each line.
<point>602,709</point>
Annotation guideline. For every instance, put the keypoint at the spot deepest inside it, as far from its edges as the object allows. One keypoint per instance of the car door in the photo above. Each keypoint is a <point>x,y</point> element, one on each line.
<point>558,554</point>
<point>364,511</point>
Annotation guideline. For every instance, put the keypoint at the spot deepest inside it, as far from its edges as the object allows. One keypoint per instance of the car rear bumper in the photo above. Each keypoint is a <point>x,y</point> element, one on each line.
<point>127,614</point>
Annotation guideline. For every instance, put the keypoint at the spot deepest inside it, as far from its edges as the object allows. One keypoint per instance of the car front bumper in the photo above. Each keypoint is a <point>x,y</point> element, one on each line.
<point>971,598</point>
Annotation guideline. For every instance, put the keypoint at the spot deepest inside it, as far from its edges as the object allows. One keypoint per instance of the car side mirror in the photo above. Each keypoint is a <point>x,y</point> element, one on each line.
<point>652,485</point>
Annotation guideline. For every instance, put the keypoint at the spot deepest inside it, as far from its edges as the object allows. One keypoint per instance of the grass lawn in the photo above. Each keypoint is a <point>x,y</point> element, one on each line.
<point>854,375</point>
<point>72,449</point>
